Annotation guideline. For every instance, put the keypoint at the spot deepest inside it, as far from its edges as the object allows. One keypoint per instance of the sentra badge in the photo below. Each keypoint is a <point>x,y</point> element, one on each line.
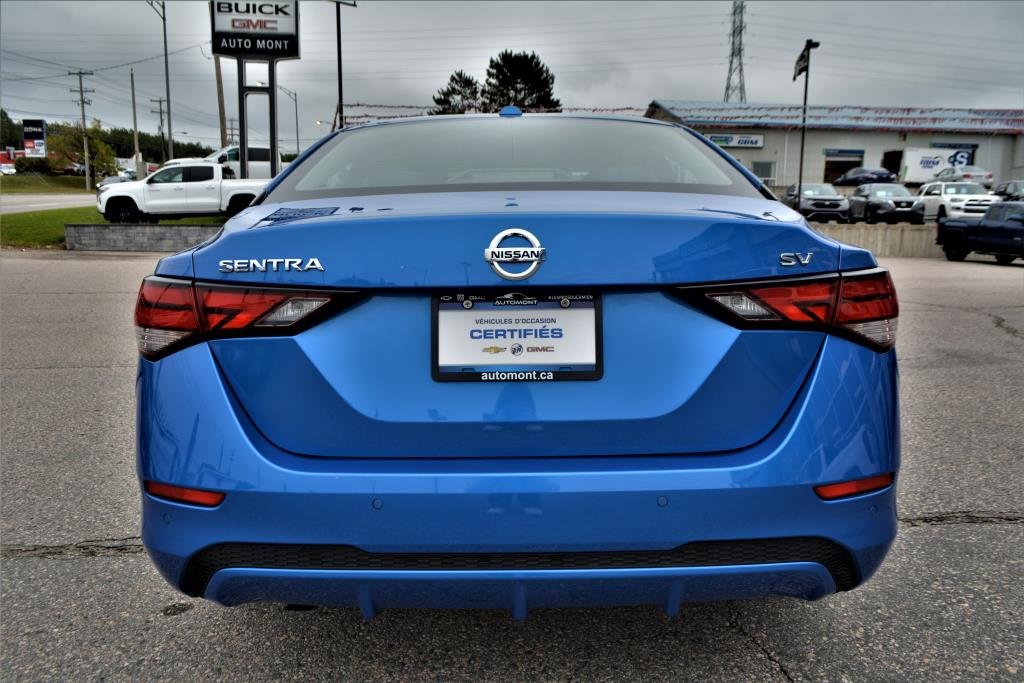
<point>252,265</point>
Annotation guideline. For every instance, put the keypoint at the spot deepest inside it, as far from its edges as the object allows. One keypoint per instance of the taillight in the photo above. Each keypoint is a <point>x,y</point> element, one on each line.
<point>171,313</point>
<point>854,487</point>
<point>181,494</point>
<point>860,305</point>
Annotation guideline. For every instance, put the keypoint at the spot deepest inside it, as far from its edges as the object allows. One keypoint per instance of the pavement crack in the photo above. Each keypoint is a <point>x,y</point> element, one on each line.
<point>997,320</point>
<point>93,547</point>
<point>963,517</point>
<point>775,662</point>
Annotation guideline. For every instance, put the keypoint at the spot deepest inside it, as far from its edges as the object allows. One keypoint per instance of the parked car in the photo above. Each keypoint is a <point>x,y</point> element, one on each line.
<point>999,232</point>
<point>862,175</point>
<point>517,361</point>
<point>110,180</point>
<point>954,200</point>
<point>1010,190</point>
<point>887,202</point>
<point>258,164</point>
<point>7,169</point>
<point>820,202</point>
<point>193,189</point>
<point>973,174</point>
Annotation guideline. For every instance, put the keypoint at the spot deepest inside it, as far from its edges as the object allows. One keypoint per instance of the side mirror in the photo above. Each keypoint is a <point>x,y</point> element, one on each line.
<point>222,158</point>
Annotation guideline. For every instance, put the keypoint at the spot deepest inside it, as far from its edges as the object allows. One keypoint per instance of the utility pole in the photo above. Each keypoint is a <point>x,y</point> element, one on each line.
<point>220,101</point>
<point>162,13</point>
<point>295,99</point>
<point>231,132</point>
<point>734,82</point>
<point>85,131</point>
<point>339,113</point>
<point>135,130</point>
<point>803,66</point>
<point>160,103</point>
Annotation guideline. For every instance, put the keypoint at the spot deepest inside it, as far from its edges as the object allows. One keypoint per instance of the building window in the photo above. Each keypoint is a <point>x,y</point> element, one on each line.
<point>765,170</point>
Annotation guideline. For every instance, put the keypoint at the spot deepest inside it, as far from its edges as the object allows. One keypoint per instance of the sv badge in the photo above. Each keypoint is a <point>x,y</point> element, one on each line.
<point>792,258</point>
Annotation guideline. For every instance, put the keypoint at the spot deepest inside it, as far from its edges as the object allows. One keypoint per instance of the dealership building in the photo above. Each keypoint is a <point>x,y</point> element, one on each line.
<point>766,137</point>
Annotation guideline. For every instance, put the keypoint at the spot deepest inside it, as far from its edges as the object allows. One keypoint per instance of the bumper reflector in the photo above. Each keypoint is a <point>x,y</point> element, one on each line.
<point>181,494</point>
<point>852,488</point>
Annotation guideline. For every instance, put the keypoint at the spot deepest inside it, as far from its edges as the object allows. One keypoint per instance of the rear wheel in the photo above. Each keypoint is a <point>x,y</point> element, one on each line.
<point>941,215</point>
<point>121,211</point>
<point>237,204</point>
<point>870,217</point>
<point>954,254</point>
<point>1005,259</point>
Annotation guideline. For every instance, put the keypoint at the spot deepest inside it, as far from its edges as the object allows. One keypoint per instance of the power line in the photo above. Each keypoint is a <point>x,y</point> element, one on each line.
<point>902,31</point>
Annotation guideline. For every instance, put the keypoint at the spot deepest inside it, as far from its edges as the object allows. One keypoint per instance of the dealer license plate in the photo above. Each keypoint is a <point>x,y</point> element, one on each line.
<point>516,337</point>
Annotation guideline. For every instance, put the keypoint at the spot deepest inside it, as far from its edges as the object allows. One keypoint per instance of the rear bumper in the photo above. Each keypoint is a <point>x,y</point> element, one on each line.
<point>499,513</point>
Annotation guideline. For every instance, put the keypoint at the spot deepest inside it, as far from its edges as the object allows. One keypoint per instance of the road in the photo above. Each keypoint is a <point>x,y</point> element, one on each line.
<point>20,203</point>
<point>80,599</point>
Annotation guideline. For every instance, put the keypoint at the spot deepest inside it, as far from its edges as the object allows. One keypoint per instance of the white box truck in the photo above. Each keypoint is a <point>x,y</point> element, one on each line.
<point>920,165</point>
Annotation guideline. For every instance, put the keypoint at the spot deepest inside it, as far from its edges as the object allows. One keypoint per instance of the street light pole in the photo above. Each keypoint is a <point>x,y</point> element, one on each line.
<point>803,66</point>
<point>162,13</point>
<point>295,99</point>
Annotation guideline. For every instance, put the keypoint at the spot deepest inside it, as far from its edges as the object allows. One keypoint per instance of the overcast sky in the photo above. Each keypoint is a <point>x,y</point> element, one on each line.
<point>603,54</point>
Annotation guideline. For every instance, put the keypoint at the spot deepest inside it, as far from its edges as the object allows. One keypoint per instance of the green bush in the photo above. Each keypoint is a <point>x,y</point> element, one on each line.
<point>33,165</point>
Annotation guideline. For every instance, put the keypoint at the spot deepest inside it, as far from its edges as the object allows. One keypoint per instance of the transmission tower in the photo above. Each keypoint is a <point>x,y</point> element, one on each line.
<point>735,86</point>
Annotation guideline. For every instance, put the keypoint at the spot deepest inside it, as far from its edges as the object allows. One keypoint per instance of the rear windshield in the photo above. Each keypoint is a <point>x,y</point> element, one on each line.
<point>964,188</point>
<point>457,155</point>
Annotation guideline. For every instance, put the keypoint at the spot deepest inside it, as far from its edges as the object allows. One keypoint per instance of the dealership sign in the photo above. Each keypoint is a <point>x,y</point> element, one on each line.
<point>34,137</point>
<point>261,31</point>
<point>737,140</point>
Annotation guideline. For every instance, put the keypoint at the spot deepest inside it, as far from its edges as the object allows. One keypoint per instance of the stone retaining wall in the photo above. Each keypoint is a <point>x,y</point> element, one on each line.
<point>135,236</point>
<point>899,239</point>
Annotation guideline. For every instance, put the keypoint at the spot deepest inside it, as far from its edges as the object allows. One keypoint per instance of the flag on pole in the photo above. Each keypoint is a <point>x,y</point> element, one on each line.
<point>804,60</point>
<point>801,62</point>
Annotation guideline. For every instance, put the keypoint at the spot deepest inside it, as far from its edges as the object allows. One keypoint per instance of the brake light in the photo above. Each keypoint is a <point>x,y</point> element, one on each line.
<point>169,313</point>
<point>852,488</point>
<point>862,305</point>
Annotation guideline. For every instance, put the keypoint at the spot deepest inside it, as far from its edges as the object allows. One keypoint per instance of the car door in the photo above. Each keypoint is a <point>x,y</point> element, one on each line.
<point>932,197</point>
<point>1008,236</point>
<point>859,202</point>
<point>165,191</point>
<point>203,189</point>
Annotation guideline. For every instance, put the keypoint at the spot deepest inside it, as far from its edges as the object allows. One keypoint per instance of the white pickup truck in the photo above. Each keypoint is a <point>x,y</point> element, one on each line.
<point>188,189</point>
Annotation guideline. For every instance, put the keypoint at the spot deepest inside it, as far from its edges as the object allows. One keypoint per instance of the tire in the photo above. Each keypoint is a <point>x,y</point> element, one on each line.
<point>121,211</point>
<point>953,254</point>
<point>237,204</point>
<point>870,216</point>
<point>941,215</point>
<point>1005,259</point>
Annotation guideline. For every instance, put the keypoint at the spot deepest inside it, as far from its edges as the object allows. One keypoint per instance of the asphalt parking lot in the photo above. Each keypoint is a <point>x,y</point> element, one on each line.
<point>80,599</point>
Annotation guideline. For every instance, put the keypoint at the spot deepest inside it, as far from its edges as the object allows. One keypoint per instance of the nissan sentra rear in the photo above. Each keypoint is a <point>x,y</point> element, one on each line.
<point>519,362</point>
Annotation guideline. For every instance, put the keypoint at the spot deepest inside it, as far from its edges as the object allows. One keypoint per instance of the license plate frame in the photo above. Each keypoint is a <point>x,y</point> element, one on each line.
<point>576,357</point>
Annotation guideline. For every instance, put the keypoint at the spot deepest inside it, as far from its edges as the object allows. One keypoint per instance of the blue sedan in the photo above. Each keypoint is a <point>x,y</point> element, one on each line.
<point>517,361</point>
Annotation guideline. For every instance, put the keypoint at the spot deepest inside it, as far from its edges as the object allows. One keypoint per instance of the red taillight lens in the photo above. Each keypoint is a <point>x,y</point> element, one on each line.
<point>165,313</point>
<point>171,311</point>
<point>853,488</point>
<point>800,302</point>
<point>861,304</point>
<point>868,307</point>
<point>181,494</point>
<point>235,308</point>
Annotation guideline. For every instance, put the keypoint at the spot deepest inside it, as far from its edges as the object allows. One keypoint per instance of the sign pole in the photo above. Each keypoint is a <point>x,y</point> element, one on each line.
<point>243,142</point>
<point>272,95</point>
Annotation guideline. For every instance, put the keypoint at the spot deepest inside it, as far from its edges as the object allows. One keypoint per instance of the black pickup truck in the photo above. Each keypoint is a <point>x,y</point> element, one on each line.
<point>999,232</point>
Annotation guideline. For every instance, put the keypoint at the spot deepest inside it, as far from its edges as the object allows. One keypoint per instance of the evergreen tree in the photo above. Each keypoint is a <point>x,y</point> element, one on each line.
<point>460,96</point>
<point>520,79</point>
